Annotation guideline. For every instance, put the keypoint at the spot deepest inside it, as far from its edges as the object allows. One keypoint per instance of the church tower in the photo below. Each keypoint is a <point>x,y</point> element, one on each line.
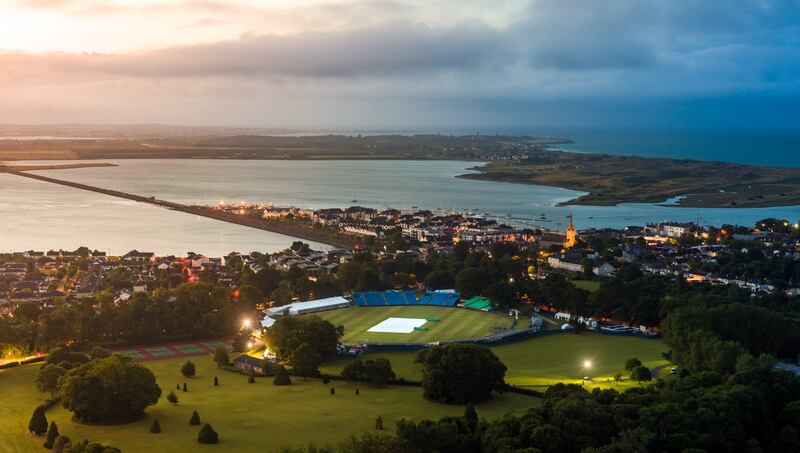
<point>572,237</point>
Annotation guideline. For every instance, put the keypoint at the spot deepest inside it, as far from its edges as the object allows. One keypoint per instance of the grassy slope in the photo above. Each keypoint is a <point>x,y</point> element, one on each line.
<point>456,323</point>
<point>248,417</point>
<point>548,359</point>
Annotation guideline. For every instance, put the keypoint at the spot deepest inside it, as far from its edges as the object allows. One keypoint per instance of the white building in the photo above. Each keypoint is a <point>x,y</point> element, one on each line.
<point>604,270</point>
<point>559,262</point>
<point>562,316</point>
<point>312,306</point>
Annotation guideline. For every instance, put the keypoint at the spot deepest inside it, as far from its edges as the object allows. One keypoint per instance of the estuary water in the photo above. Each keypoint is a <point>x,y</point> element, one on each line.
<point>38,215</point>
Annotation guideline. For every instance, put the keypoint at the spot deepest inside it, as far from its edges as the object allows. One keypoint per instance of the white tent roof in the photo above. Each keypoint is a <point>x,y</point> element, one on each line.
<point>312,304</point>
<point>267,322</point>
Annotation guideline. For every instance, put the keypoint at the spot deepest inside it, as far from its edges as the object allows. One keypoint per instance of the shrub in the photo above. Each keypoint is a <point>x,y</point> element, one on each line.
<point>282,377</point>
<point>185,389</point>
<point>172,397</point>
<point>195,420</point>
<point>188,369</point>
<point>379,422</point>
<point>52,434</point>
<point>216,381</point>
<point>251,379</point>
<point>471,416</point>
<point>333,391</point>
<point>207,435</point>
<point>155,427</point>
<point>60,443</point>
<point>38,423</point>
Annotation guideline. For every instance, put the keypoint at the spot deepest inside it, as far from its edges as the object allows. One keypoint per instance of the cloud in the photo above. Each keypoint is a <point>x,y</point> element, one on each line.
<point>373,62</point>
<point>393,50</point>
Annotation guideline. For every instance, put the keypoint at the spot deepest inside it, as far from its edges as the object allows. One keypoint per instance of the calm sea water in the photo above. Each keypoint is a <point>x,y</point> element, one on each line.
<point>40,215</point>
<point>778,148</point>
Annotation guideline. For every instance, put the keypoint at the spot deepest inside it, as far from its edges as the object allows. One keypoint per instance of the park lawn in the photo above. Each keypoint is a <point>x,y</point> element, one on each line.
<point>589,285</point>
<point>454,323</point>
<point>248,417</point>
<point>548,359</point>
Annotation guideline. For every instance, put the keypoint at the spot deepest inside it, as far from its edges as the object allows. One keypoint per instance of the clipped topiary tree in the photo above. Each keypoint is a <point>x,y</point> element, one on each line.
<point>333,391</point>
<point>207,435</point>
<point>282,377</point>
<point>38,422</point>
<point>172,397</point>
<point>188,369</point>
<point>52,434</point>
<point>471,416</point>
<point>251,379</point>
<point>195,420</point>
<point>185,389</point>
<point>357,392</point>
<point>379,422</point>
<point>60,444</point>
<point>155,427</point>
<point>216,381</point>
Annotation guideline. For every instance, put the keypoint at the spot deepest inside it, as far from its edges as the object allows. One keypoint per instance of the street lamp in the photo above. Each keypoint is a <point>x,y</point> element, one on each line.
<point>246,324</point>
<point>587,364</point>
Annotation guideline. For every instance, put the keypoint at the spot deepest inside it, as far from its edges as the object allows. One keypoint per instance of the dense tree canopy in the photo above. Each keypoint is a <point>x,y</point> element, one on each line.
<point>378,372</point>
<point>289,332</point>
<point>460,373</point>
<point>109,390</point>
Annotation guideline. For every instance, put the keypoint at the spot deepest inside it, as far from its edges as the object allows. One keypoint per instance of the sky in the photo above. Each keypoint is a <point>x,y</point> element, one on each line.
<point>403,64</point>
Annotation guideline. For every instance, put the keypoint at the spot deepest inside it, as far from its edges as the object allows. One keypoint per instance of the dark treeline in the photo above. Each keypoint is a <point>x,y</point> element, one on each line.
<point>757,409</point>
<point>470,271</point>
<point>188,311</point>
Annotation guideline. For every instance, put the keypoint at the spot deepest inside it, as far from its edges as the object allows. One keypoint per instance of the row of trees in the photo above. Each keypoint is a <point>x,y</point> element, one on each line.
<point>188,311</point>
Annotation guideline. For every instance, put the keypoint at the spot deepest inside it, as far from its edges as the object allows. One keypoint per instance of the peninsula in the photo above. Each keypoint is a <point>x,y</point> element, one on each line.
<point>611,180</point>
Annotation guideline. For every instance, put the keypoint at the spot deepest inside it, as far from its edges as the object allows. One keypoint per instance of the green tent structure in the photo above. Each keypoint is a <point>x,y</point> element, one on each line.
<point>478,303</point>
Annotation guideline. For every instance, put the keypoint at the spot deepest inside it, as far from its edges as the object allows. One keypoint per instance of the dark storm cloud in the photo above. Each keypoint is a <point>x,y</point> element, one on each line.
<point>386,63</point>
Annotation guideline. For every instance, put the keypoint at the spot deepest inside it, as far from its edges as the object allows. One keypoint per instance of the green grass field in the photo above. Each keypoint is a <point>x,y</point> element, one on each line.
<point>588,285</point>
<point>454,324</point>
<point>248,417</point>
<point>548,359</point>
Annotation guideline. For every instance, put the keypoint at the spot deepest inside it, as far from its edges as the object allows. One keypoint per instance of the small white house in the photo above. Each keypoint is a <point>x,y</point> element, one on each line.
<point>604,270</point>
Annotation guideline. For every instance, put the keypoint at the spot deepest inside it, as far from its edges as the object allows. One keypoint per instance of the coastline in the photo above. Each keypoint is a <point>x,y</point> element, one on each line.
<point>605,179</point>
